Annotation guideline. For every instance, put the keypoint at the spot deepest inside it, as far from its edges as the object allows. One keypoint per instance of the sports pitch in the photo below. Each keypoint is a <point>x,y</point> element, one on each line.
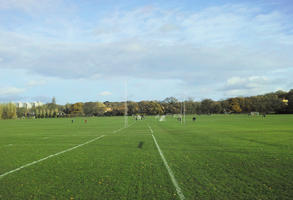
<point>216,157</point>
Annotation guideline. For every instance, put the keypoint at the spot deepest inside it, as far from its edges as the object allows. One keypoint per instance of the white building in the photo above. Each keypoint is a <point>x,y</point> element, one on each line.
<point>28,105</point>
<point>37,104</point>
<point>19,105</point>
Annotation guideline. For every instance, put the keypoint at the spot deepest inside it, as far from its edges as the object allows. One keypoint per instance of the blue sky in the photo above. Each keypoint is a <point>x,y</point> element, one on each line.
<point>86,50</point>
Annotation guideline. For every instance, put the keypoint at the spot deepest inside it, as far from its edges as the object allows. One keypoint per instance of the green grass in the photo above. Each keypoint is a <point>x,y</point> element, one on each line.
<point>216,157</point>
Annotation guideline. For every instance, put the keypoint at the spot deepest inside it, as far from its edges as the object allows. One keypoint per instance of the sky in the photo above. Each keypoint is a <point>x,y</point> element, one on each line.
<point>87,50</point>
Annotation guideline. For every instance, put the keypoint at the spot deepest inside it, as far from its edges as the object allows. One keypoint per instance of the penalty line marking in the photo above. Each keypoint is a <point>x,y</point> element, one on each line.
<point>50,156</point>
<point>175,183</point>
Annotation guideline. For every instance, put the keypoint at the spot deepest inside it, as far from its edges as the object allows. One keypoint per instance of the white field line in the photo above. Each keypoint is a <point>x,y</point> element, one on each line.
<point>50,156</point>
<point>175,183</point>
<point>151,129</point>
<point>35,162</point>
<point>120,129</point>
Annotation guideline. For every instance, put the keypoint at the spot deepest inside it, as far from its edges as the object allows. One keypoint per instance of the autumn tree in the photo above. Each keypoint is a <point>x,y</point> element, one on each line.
<point>9,111</point>
<point>94,108</point>
<point>1,110</point>
<point>171,105</point>
<point>133,108</point>
<point>235,106</point>
<point>76,109</point>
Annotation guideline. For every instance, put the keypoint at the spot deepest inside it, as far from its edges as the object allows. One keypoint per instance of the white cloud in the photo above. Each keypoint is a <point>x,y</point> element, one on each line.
<point>248,82</point>
<point>198,47</point>
<point>235,81</point>
<point>105,93</point>
<point>7,91</point>
<point>246,86</point>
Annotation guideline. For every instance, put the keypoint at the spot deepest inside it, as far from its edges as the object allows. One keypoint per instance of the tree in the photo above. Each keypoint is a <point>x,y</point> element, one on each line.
<point>37,113</point>
<point>9,111</point>
<point>171,105</point>
<point>56,113</point>
<point>207,106</point>
<point>42,113</point>
<point>170,100</point>
<point>225,106</point>
<point>281,94</point>
<point>217,107</point>
<point>272,103</point>
<point>94,108</point>
<point>290,101</point>
<point>1,110</point>
<point>48,113</point>
<point>133,108</point>
<point>52,113</point>
<point>101,109</point>
<point>89,107</point>
<point>67,108</point>
<point>21,112</point>
<point>155,108</point>
<point>235,106</point>
<point>76,109</point>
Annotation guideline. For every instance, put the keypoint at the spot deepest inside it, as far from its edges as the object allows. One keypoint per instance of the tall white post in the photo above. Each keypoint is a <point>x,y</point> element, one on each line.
<point>126,108</point>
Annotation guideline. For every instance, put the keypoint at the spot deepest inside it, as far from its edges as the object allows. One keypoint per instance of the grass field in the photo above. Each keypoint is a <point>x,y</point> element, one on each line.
<point>216,157</point>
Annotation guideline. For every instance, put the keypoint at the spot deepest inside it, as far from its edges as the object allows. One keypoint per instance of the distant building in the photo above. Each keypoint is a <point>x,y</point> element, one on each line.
<point>28,105</point>
<point>19,105</point>
<point>37,104</point>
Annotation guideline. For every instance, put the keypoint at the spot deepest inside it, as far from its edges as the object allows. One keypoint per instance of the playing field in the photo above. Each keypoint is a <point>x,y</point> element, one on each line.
<point>216,157</point>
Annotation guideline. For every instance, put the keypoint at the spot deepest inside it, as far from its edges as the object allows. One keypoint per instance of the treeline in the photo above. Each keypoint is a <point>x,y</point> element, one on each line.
<point>277,102</point>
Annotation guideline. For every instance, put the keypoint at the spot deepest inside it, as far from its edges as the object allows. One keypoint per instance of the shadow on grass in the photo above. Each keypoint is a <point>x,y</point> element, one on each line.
<point>140,144</point>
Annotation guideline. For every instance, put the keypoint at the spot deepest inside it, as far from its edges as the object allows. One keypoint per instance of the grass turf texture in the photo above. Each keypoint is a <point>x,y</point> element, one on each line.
<point>216,157</point>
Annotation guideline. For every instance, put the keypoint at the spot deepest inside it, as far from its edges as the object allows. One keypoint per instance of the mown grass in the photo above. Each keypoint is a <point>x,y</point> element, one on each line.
<point>216,157</point>
<point>231,157</point>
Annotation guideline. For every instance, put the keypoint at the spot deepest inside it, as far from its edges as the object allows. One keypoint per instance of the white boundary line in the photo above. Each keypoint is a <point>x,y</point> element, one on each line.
<point>56,154</point>
<point>120,129</point>
<point>178,189</point>
<point>151,129</point>
<point>50,156</point>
